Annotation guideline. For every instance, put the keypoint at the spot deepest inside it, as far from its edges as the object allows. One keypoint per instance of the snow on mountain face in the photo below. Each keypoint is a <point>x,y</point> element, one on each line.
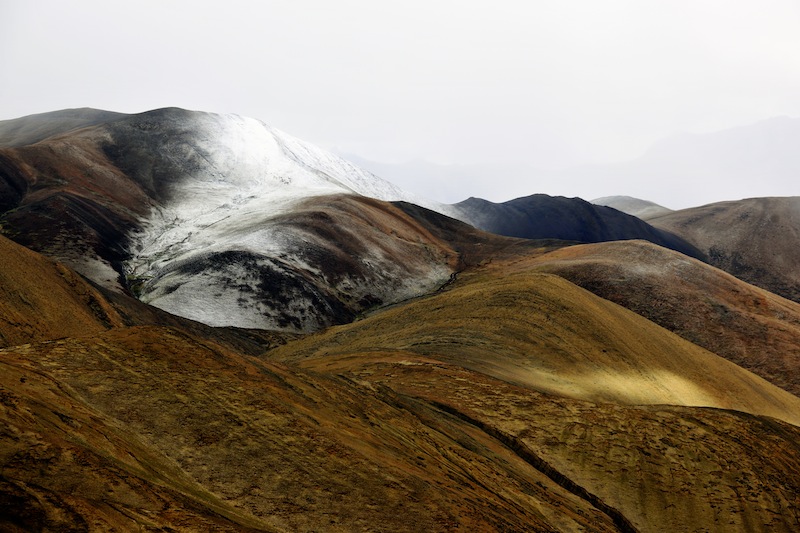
<point>242,173</point>
<point>216,218</point>
<point>224,184</point>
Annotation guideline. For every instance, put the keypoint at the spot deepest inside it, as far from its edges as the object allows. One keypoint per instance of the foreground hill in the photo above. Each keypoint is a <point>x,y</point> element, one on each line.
<point>398,423</point>
<point>216,218</point>
<point>754,239</point>
<point>541,332</point>
<point>43,300</point>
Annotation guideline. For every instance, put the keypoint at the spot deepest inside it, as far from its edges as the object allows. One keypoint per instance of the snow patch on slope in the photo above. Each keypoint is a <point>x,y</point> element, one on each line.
<point>251,174</point>
<point>238,176</point>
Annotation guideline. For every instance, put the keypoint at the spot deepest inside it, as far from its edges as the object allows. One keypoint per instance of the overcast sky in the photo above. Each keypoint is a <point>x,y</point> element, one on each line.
<point>549,84</point>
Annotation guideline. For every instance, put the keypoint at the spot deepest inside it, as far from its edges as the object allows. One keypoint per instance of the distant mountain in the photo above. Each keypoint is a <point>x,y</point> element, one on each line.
<point>34,128</point>
<point>686,170</point>
<point>573,219</point>
<point>754,239</point>
<point>643,209</point>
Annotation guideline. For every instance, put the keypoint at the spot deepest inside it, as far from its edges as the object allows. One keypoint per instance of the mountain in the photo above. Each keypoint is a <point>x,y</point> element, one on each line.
<point>572,219</point>
<point>754,239</point>
<point>643,209</point>
<point>747,325</point>
<point>34,128</point>
<point>754,160</point>
<point>348,363</point>
<point>401,421</point>
<point>183,206</point>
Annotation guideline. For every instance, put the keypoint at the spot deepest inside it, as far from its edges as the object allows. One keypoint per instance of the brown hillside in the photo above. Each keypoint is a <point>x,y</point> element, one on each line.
<point>69,467</point>
<point>544,333</point>
<point>287,450</point>
<point>42,300</point>
<point>424,416</point>
<point>757,239</point>
<point>147,426</point>
<point>62,197</point>
<point>745,324</point>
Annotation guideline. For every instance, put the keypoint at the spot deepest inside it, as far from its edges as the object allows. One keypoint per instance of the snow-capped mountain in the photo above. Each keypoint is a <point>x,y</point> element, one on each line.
<point>242,174</point>
<point>218,218</point>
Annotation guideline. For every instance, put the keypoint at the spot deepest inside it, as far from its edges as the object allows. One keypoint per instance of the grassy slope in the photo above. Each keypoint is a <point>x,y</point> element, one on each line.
<point>425,416</point>
<point>754,239</point>
<point>542,332</point>
<point>41,299</point>
<point>749,326</point>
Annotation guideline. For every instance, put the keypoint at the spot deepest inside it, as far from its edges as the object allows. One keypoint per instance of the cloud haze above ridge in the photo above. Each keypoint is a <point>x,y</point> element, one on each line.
<point>542,86</point>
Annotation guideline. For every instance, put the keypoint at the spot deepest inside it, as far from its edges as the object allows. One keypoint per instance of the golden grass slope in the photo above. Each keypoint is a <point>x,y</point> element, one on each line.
<point>654,469</point>
<point>426,416</point>
<point>273,447</point>
<point>542,332</point>
<point>207,438</point>
<point>69,467</point>
<point>747,325</point>
<point>41,299</point>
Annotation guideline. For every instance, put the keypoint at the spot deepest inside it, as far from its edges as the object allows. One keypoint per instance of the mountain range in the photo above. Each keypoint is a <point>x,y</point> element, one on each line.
<point>681,170</point>
<point>207,324</point>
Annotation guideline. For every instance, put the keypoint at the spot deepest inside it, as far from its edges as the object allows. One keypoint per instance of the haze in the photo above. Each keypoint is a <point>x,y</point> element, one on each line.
<point>510,93</point>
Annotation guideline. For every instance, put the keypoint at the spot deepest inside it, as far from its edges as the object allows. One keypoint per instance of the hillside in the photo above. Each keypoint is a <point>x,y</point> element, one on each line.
<point>397,427</point>
<point>747,325</point>
<point>208,325</point>
<point>540,216</point>
<point>43,300</point>
<point>216,218</point>
<point>754,239</point>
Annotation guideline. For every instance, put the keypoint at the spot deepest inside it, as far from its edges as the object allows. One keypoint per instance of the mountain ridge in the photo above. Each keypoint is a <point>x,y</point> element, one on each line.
<point>407,370</point>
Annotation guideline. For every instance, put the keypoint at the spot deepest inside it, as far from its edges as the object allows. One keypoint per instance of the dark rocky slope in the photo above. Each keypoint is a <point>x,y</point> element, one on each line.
<point>540,216</point>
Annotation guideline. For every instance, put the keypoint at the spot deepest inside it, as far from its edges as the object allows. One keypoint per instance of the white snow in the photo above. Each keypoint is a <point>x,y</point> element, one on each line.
<point>241,175</point>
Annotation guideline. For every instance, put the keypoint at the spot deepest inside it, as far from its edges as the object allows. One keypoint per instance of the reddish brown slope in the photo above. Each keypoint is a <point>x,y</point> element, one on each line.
<point>62,197</point>
<point>757,239</point>
<point>42,300</point>
<point>154,427</point>
<point>745,324</point>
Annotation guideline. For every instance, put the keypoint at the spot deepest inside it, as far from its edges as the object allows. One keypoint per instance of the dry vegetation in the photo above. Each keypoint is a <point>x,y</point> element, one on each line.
<point>542,332</point>
<point>511,400</point>
<point>747,325</point>
<point>753,239</point>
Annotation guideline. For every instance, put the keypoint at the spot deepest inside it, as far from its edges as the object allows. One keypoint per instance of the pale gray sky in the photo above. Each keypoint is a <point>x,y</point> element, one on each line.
<point>548,84</point>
